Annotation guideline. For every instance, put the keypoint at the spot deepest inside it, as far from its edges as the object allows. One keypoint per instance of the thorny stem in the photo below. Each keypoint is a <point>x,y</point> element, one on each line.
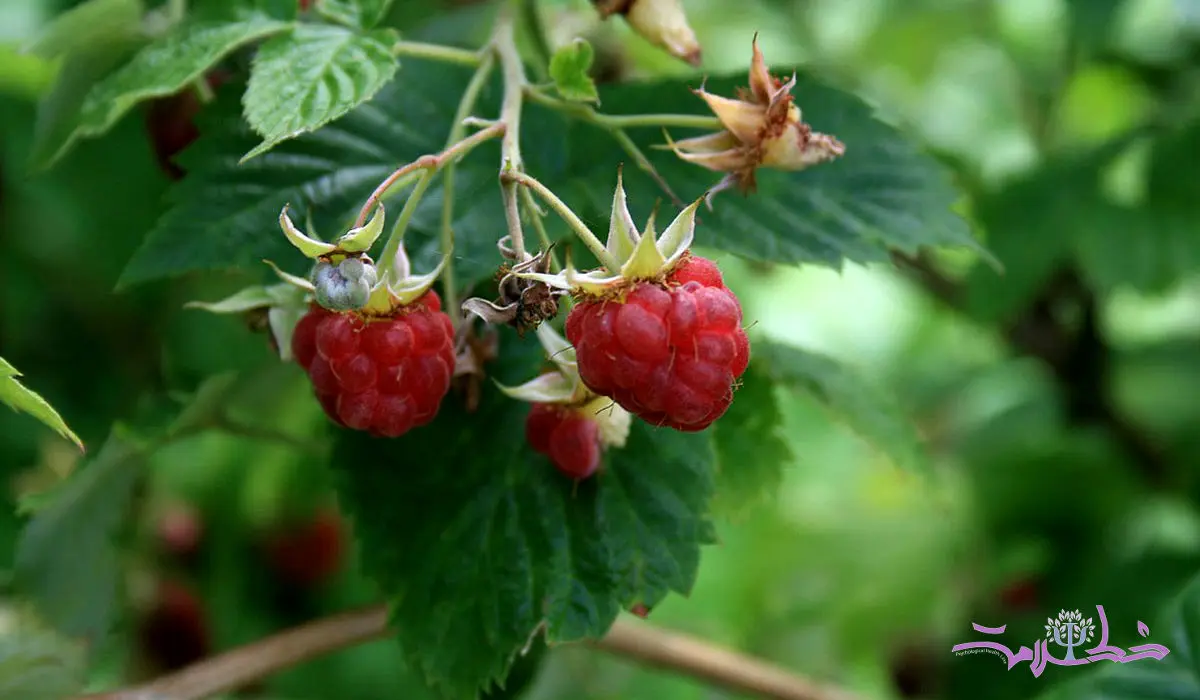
<point>465,106</point>
<point>437,52</point>
<point>589,115</point>
<point>431,164</point>
<point>636,641</point>
<point>505,46</point>
<point>560,207</point>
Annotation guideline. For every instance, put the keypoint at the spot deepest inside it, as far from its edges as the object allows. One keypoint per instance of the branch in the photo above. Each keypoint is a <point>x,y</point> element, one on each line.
<point>1079,357</point>
<point>636,641</point>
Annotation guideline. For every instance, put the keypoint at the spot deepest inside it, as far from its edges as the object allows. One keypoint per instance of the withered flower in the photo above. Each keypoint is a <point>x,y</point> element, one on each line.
<point>763,128</point>
<point>661,22</point>
<point>523,303</point>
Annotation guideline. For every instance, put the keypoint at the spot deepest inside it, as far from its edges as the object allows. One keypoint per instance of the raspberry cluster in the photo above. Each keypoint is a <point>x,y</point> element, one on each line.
<point>567,436</point>
<point>383,375</point>
<point>667,352</point>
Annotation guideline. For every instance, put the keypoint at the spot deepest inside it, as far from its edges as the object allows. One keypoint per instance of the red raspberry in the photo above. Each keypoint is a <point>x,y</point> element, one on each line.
<point>306,554</point>
<point>174,633</point>
<point>640,610</point>
<point>382,375</point>
<point>567,436</point>
<point>669,353</point>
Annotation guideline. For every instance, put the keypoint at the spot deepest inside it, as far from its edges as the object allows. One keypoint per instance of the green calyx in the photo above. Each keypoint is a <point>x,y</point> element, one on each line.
<point>356,240</point>
<point>285,304</point>
<point>641,256</point>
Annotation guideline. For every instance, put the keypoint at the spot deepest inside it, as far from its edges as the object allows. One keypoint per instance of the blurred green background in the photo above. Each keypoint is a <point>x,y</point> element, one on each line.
<point>854,573</point>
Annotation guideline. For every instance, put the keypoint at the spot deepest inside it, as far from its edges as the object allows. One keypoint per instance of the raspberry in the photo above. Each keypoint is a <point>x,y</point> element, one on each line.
<point>669,353</point>
<point>567,436</point>
<point>307,554</point>
<point>382,375</point>
<point>174,633</point>
<point>640,610</point>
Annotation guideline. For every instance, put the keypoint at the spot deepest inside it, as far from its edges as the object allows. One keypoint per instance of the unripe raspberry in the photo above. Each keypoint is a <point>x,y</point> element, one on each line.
<point>668,352</point>
<point>381,374</point>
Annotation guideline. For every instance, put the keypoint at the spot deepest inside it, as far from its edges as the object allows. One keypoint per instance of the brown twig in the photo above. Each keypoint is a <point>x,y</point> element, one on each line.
<point>637,641</point>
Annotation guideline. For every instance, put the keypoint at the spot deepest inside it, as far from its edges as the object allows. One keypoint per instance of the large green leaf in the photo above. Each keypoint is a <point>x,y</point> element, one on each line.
<point>751,452</point>
<point>478,541</point>
<point>354,13</point>
<point>1175,677</point>
<point>168,65</point>
<point>304,80</point>
<point>66,559</point>
<point>87,24</point>
<point>864,407</point>
<point>20,398</point>
<point>883,193</point>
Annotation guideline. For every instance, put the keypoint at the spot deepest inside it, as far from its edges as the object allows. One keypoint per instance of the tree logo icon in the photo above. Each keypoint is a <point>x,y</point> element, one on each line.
<point>1069,630</point>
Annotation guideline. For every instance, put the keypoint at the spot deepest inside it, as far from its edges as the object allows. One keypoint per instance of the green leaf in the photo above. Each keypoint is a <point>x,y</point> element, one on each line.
<point>569,69</point>
<point>477,540</point>
<point>56,128</point>
<point>1176,676</point>
<point>35,662</point>
<point>66,559</point>
<point>225,216</point>
<point>751,451</point>
<point>90,23</point>
<point>865,408</point>
<point>354,13</point>
<point>883,194</point>
<point>313,76</point>
<point>19,398</point>
<point>169,65</point>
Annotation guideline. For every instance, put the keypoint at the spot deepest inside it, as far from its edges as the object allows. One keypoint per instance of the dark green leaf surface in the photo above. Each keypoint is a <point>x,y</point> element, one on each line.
<point>66,559</point>
<point>868,410</point>
<point>168,65</point>
<point>751,452</point>
<point>304,80</point>
<point>473,536</point>
<point>89,23</point>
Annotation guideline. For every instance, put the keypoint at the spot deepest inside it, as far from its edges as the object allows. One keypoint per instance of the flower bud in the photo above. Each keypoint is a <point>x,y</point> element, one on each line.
<point>345,286</point>
<point>661,22</point>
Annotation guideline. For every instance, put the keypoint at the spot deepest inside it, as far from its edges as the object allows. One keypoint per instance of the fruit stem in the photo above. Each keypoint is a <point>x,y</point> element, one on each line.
<point>505,46</point>
<point>535,217</point>
<point>465,105</point>
<point>560,207</point>
<point>431,164</point>
<point>683,121</point>
<point>588,114</point>
<point>437,52</point>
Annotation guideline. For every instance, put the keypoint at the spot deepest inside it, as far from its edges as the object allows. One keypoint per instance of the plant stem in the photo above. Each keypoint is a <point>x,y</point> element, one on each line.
<point>437,52</point>
<point>637,641</point>
<point>560,207</point>
<point>683,121</point>
<point>431,164</point>
<point>588,114</point>
<point>505,46</point>
<point>465,105</point>
<point>535,217</point>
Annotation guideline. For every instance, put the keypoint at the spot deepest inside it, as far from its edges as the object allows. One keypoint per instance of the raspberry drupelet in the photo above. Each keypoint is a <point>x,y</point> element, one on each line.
<point>667,352</point>
<point>569,437</point>
<point>382,374</point>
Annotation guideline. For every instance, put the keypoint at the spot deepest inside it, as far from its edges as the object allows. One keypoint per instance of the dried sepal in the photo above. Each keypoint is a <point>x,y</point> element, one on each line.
<point>763,127</point>
<point>525,302</point>
<point>661,22</point>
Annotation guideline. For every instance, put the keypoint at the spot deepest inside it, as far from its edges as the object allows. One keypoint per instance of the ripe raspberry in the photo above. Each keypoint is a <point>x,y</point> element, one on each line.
<point>567,436</point>
<point>382,375</point>
<point>668,353</point>
<point>640,610</point>
<point>308,553</point>
<point>174,633</point>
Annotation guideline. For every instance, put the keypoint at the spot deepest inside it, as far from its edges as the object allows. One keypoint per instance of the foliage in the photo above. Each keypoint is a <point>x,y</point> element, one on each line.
<point>1012,434</point>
